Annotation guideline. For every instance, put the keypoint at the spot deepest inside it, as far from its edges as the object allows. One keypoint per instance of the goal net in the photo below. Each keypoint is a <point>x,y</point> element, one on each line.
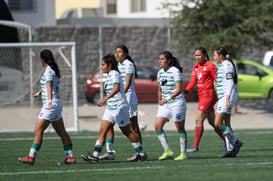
<point>20,73</point>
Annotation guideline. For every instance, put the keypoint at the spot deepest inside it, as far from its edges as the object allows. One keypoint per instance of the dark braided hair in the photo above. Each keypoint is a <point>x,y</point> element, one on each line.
<point>48,58</point>
<point>125,50</point>
<point>224,52</point>
<point>174,60</point>
<point>110,59</point>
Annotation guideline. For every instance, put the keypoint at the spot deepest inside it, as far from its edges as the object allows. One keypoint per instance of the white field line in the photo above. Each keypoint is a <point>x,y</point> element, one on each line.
<point>48,138</point>
<point>121,169</point>
<point>119,136</point>
<point>80,170</point>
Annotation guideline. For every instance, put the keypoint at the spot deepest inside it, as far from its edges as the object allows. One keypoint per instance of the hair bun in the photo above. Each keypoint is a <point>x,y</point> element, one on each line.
<point>227,56</point>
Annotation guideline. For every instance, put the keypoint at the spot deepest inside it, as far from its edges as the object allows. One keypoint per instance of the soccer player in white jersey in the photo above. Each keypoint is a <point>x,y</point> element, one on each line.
<point>226,87</point>
<point>128,74</point>
<point>116,111</point>
<point>172,104</point>
<point>51,112</point>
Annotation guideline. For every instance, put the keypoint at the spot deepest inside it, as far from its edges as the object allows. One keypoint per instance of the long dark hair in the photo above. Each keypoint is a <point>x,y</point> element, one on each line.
<point>224,52</point>
<point>48,58</point>
<point>125,50</point>
<point>203,51</point>
<point>174,61</point>
<point>110,59</point>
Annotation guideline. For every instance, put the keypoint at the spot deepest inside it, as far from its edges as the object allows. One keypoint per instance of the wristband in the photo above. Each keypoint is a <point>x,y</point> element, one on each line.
<point>49,100</point>
<point>168,98</point>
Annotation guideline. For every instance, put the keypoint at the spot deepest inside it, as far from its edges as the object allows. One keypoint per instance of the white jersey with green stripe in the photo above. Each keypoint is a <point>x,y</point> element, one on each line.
<point>50,76</point>
<point>167,80</point>
<point>225,79</point>
<point>125,68</point>
<point>119,99</point>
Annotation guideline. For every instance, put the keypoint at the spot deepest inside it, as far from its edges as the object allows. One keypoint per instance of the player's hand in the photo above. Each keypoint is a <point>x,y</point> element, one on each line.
<point>227,102</point>
<point>162,102</point>
<point>228,105</point>
<point>49,105</point>
<point>35,95</point>
<point>101,102</point>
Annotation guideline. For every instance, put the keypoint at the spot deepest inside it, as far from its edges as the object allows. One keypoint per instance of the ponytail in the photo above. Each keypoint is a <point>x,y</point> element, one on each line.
<point>48,58</point>
<point>224,52</point>
<point>125,50</point>
<point>174,61</point>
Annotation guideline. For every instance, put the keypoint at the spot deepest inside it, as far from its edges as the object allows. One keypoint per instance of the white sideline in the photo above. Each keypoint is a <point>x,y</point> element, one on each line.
<point>120,136</point>
<point>82,170</point>
<point>119,169</point>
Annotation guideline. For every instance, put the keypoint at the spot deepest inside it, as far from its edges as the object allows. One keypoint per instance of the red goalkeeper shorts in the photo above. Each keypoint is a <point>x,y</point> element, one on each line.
<point>206,103</point>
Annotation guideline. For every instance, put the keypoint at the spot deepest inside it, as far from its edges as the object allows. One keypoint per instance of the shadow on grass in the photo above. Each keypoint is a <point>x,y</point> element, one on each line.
<point>265,105</point>
<point>257,150</point>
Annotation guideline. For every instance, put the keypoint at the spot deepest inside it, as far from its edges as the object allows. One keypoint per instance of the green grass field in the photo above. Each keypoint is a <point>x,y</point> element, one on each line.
<point>254,162</point>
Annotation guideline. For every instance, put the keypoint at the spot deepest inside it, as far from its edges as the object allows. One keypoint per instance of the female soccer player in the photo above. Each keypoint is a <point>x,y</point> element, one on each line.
<point>172,104</point>
<point>128,74</point>
<point>204,74</point>
<point>51,111</point>
<point>116,111</point>
<point>226,87</point>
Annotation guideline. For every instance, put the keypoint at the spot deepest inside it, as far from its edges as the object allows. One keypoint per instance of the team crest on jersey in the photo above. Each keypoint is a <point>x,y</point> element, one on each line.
<point>205,68</point>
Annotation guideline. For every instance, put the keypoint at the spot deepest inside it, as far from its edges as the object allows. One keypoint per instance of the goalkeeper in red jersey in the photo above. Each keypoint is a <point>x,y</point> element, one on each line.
<point>204,75</point>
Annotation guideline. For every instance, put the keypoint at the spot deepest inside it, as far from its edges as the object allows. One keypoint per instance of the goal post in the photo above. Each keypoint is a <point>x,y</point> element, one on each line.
<point>16,86</point>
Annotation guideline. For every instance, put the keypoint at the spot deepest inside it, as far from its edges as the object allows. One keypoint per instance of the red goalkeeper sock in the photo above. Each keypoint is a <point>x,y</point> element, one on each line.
<point>197,135</point>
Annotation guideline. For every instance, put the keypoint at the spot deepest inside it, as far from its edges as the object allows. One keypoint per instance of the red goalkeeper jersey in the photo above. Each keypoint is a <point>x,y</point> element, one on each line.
<point>204,75</point>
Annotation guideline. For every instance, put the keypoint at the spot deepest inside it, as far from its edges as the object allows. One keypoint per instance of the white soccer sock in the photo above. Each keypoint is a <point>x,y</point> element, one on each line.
<point>137,146</point>
<point>97,149</point>
<point>109,147</point>
<point>183,144</point>
<point>33,152</point>
<point>68,153</point>
<point>230,136</point>
<point>163,140</point>
<point>228,144</point>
